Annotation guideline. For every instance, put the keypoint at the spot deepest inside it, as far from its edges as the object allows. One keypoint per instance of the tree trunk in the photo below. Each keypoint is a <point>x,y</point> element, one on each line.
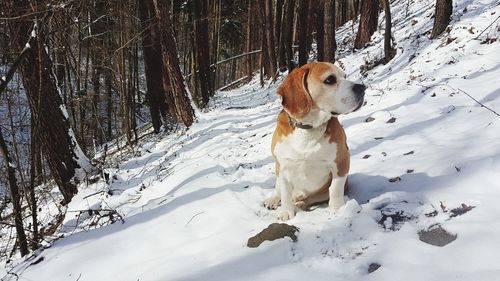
<point>311,24</point>
<point>303,28</point>
<point>329,26</point>
<point>98,28</point>
<point>153,66</point>
<point>172,76</point>
<point>320,30</point>
<point>202,50</point>
<point>288,34</point>
<point>388,50</point>
<point>33,182</point>
<point>249,31</point>
<point>108,82</point>
<point>367,23</point>
<point>59,145</point>
<point>280,33</point>
<point>268,10</point>
<point>15,197</point>
<point>269,53</point>
<point>444,8</point>
<point>215,43</point>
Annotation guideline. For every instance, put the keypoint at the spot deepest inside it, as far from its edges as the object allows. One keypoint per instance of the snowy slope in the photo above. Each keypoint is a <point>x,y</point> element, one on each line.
<point>190,201</point>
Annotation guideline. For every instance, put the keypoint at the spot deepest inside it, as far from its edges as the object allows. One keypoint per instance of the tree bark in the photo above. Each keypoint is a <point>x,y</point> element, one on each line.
<point>320,30</point>
<point>367,23</point>
<point>15,197</point>
<point>444,8</point>
<point>330,45</point>
<point>59,145</point>
<point>303,28</point>
<point>280,33</point>
<point>311,24</point>
<point>172,76</point>
<point>268,5</point>
<point>202,50</point>
<point>388,50</point>
<point>153,67</point>
<point>266,12</point>
<point>249,33</point>
<point>288,34</point>
<point>33,182</point>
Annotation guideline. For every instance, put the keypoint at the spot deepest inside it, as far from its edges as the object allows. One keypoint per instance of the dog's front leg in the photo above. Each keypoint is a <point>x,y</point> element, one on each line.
<point>287,207</point>
<point>336,191</point>
<point>274,201</point>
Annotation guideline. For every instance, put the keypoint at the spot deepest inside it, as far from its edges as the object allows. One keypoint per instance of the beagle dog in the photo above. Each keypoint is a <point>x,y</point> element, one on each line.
<point>309,144</point>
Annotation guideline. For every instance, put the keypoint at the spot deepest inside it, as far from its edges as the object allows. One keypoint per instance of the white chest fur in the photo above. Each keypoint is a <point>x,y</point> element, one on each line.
<point>306,159</point>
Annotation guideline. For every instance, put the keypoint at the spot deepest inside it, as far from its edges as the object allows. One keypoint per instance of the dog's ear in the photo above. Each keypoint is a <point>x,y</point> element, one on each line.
<point>295,96</point>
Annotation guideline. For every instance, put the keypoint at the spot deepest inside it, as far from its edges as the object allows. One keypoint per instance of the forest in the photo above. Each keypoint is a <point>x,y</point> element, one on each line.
<point>84,83</point>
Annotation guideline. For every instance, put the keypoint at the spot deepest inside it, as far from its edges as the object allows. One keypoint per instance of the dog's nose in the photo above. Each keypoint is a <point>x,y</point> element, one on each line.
<point>359,89</point>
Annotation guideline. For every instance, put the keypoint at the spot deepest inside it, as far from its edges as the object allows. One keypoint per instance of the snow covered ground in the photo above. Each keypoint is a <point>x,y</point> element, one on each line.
<point>190,201</point>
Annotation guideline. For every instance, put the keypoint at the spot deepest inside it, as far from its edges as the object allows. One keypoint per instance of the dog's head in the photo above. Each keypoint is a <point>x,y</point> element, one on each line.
<point>320,86</point>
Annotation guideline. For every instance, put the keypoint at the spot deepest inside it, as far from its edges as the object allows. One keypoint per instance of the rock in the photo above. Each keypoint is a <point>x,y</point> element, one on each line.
<point>436,236</point>
<point>392,120</point>
<point>460,210</point>
<point>432,214</point>
<point>272,232</point>
<point>373,267</point>
<point>366,156</point>
<point>369,119</point>
<point>409,152</point>
<point>395,179</point>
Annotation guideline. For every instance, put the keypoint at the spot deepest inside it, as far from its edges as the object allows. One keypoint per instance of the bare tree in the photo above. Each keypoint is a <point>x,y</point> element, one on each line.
<point>268,46</point>
<point>444,8</point>
<point>153,67</point>
<point>279,35</point>
<point>389,52</point>
<point>367,23</point>
<point>249,39</point>
<point>330,45</point>
<point>288,34</point>
<point>172,76</point>
<point>201,46</point>
<point>303,29</point>
<point>64,156</point>
<point>15,197</point>
<point>320,30</point>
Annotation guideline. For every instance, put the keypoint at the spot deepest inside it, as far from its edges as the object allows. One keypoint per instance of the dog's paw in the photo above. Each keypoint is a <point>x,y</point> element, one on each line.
<point>335,205</point>
<point>286,214</point>
<point>272,202</point>
<point>301,205</point>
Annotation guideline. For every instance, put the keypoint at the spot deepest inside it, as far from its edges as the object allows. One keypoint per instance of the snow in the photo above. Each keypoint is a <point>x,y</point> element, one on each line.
<point>191,200</point>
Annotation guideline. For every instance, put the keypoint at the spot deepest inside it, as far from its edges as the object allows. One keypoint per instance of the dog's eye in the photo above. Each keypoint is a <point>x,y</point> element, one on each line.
<point>330,80</point>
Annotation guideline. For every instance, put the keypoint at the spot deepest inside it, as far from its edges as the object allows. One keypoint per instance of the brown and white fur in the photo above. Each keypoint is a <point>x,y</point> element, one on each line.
<point>309,144</point>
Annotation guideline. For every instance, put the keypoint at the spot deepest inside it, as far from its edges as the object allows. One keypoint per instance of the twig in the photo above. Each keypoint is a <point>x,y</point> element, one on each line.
<point>487,28</point>
<point>472,98</point>
<point>193,217</point>
<point>482,105</point>
<point>12,273</point>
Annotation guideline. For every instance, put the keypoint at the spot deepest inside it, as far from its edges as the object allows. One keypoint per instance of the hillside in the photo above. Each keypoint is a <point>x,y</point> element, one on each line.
<point>184,204</point>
